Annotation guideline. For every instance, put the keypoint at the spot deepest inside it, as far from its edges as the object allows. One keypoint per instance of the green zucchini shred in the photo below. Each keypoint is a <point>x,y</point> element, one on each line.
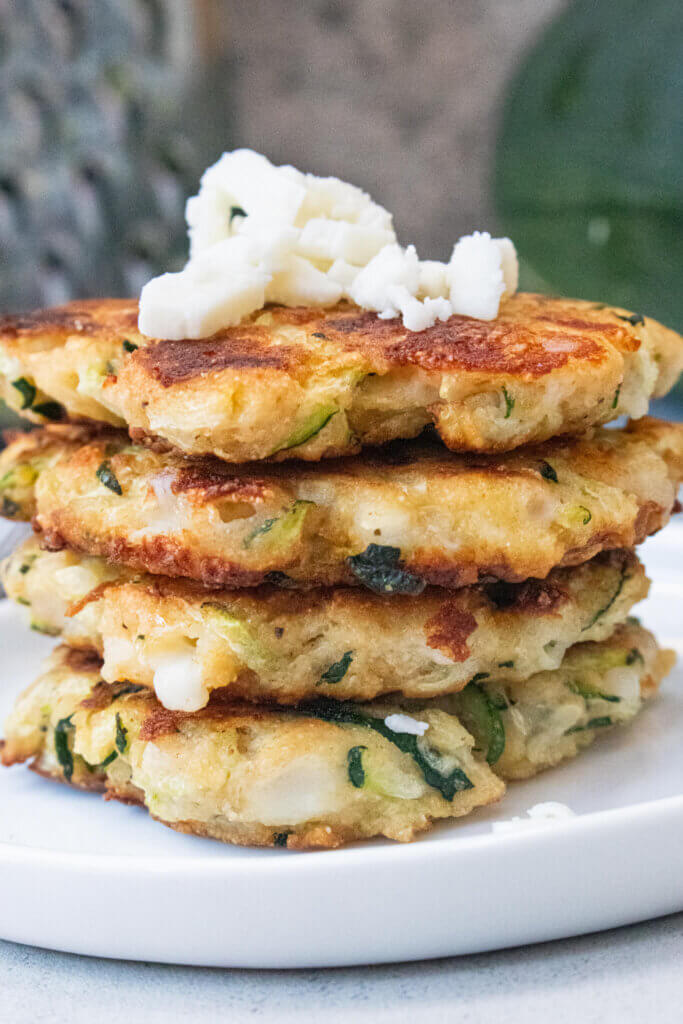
<point>26,390</point>
<point>10,509</point>
<point>427,761</point>
<point>280,838</point>
<point>635,319</point>
<point>602,611</point>
<point>354,767</point>
<point>480,715</point>
<point>128,346</point>
<point>128,688</point>
<point>121,735</point>
<point>50,410</point>
<point>106,476</point>
<point>65,758</point>
<point>615,400</point>
<point>547,472</point>
<point>595,723</point>
<point>283,528</point>
<point>509,403</point>
<point>318,419</point>
<point>592,693</point>
<point>336,672</point>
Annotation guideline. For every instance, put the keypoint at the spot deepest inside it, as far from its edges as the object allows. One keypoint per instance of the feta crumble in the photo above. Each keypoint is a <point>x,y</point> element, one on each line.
<point>404,723</point>
<point>260,233</point>
<point>539,815</point>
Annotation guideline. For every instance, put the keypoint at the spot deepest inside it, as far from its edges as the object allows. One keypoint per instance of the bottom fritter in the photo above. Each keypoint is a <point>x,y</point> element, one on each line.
<point>326,772</point>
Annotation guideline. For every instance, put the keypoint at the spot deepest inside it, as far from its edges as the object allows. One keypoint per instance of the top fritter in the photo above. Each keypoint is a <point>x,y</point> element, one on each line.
<point>309,384</point>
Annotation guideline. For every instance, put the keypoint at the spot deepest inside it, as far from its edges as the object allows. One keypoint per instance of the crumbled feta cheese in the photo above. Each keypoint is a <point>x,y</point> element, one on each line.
<point>404,723</point>
<point>178,680</point>
<point>477,272</point>
<point>260,233</point>
<point>539,815</point>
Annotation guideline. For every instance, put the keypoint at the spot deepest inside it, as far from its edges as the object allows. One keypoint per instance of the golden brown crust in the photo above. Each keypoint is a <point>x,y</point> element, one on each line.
<point>509,345</point>
<point>454,520</point>
<point>315,384</point>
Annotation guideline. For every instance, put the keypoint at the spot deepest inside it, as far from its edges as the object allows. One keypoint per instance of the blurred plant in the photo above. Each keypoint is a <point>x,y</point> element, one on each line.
<point>109,112</point>
<point>589,170</point>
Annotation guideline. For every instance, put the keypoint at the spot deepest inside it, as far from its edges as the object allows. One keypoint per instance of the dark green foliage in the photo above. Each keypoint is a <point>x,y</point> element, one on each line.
<point>588,171</point>
<point>379,569</point>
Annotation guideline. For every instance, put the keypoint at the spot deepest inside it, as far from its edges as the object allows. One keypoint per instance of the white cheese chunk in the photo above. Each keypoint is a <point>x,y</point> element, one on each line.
<point>539,816</point>
<point>260,233</point>
<point>477,274</point>
<point>404,723</point>
<point>178,681</point>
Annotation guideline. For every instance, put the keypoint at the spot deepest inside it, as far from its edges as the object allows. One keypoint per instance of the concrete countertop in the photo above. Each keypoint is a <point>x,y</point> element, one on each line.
<point>628,974</point>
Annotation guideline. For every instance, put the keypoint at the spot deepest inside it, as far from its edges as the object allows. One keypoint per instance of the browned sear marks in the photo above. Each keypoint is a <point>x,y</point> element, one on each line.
<point>450,629</point>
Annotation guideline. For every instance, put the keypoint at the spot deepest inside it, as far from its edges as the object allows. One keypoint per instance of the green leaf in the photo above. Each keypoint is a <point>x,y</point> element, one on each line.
<point>379,569</point>
<point>587,179</point>
<point>354,766</point>
<point>106,476</point>
<point>336,672</point>
<point>128,346</point>
<point>26,390</point>
<point>63,730</point>
<point>430,762</point>
<point>121,735</point>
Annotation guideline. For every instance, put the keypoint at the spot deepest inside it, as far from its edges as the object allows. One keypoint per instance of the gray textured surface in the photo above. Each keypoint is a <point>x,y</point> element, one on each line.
<point>399,97</point>
<point>630,974</point>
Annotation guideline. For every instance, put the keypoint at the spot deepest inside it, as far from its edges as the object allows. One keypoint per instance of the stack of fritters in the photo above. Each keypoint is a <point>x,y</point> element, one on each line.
<point>330,643</point>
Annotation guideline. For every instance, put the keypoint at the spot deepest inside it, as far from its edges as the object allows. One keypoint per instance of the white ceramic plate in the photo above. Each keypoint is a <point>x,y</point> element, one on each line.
<point>99,878</point>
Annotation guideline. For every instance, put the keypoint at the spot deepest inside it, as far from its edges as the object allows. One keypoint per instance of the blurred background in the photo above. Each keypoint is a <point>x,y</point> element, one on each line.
<point>558,123</point>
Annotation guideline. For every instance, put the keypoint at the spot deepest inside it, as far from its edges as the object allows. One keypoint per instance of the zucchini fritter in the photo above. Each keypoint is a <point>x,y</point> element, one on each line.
<point>522,728</point>
<point>315,777</point>
<point>326,772</point>
<point>309,384</point>
<point>394,521</point>
<point>270,644</point>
